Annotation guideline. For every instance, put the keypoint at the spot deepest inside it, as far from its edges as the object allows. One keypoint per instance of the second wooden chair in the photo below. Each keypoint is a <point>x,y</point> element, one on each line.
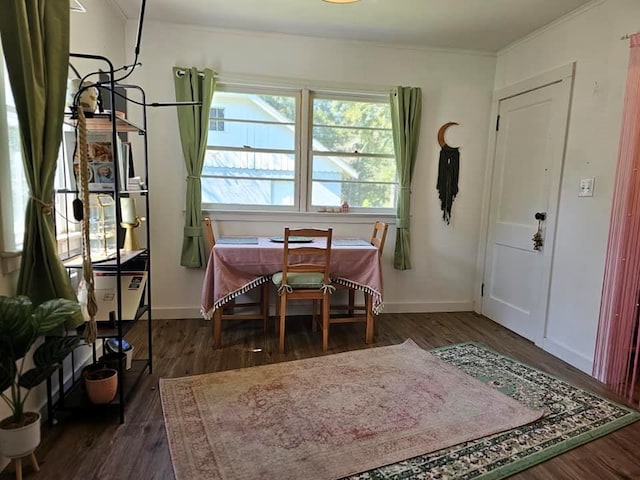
<point>358,313</point>
<point>234,310</point>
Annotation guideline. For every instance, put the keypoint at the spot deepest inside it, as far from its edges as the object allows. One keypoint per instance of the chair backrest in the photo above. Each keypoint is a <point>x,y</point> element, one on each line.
<point>209,237</point>
<point>379,235</point>
<point>303,258</point>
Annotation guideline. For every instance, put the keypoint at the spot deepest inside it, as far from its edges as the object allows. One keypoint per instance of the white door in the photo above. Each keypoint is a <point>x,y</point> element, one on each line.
<point>529,152</point>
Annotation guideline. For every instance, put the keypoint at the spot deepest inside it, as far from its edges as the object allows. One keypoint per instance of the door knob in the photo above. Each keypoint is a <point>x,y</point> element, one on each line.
<point>540,216</point>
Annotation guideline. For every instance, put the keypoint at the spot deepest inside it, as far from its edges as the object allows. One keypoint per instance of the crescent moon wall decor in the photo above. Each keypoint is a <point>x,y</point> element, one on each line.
<point>448,173</point>
<point>442,131</point>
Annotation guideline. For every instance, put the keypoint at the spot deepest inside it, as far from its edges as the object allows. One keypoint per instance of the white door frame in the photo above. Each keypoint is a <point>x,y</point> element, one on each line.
<point>564,74</point>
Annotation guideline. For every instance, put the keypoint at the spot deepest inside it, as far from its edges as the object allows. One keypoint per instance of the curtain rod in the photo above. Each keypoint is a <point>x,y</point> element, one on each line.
<point>181,73</point>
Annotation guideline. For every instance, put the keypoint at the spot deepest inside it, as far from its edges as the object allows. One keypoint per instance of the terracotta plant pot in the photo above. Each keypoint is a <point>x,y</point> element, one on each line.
<point>102,385</point>
<point>21,441</point>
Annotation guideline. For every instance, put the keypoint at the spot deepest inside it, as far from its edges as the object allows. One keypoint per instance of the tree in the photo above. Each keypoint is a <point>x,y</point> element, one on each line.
<point>346,126</point>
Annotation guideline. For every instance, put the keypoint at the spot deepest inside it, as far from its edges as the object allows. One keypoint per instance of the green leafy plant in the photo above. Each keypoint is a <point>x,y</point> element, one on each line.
<point>21,324</point>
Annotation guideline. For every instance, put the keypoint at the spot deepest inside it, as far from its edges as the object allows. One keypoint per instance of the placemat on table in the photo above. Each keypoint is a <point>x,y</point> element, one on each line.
<point>238,240</point>
<point>349,242</point>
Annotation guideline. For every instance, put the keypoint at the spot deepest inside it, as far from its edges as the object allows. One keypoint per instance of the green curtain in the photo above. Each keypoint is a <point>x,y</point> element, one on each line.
<point>193,85</point>
<point>35,35</point>
<point>406,111</point>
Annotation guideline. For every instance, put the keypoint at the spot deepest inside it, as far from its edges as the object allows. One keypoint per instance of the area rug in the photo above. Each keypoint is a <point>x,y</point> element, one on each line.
<point>328,417</point>
<point>572,418</point>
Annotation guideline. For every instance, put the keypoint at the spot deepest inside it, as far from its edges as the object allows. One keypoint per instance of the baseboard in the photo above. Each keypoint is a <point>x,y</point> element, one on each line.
<point>569,355</point>
<point>169,313</point>
<point>427,307</point>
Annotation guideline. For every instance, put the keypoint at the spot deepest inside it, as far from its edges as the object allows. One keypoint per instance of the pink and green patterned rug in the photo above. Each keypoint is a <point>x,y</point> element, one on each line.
<point>398,412</point>
<point>328,417</point>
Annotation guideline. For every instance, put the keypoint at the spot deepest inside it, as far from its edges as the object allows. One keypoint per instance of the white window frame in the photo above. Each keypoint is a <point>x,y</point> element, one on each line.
<point>261,90</point>
<point>357,97</point>
<point>10,249</point>
<point>303,152</point>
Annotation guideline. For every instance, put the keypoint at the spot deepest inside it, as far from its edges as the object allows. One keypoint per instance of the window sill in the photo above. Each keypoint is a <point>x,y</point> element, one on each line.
<point>352,218</point>
<point>10,262</point>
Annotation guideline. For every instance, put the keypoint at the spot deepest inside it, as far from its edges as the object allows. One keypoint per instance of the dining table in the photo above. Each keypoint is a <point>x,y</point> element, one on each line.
<point>236,265</point>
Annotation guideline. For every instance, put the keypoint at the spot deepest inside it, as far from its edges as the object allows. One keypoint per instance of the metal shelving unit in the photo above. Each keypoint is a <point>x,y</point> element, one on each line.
<point>71,396</point>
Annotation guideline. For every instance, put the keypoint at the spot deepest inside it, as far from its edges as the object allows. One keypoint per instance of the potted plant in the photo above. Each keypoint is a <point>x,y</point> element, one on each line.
<point>21,324</point>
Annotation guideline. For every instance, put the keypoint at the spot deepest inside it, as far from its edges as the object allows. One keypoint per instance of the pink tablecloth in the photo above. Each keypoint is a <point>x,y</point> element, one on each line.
<point>234,269</point>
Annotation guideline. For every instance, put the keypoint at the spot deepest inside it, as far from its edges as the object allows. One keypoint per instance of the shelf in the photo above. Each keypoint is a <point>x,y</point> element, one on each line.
<point>139,191</point>
<point>107,329</point>
<point>122,282</point>
<point>76,400</point>
<point>111,263</point>
<point>101,122</point>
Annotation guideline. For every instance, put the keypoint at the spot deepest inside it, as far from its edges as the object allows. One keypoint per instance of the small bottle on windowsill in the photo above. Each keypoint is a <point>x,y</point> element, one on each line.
<point>345,207</point>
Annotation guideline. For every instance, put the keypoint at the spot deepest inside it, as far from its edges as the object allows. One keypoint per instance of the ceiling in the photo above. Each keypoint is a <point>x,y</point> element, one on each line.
<point>487,25</point>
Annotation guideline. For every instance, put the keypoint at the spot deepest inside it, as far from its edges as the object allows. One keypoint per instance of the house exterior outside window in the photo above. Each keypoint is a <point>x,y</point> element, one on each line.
<point>216,120</point>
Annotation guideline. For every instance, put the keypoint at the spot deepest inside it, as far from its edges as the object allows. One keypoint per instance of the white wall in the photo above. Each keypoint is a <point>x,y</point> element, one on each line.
<point>99,31</point>
<point>591,39</point>
<point>457,86</point>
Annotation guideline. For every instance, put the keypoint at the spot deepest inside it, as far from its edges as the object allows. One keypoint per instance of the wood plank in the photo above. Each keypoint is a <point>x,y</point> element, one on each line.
<point>138,449</point>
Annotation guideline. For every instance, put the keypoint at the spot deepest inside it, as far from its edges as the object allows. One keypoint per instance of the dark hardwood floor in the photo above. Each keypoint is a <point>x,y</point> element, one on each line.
<point>103,449</point>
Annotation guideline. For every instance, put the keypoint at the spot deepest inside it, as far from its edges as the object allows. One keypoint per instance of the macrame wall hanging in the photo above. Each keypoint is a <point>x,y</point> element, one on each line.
<point>448,173</point>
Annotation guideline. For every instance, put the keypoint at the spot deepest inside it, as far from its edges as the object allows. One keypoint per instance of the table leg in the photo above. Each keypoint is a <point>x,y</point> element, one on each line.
<point>368,335</point>
<point>217,328</point>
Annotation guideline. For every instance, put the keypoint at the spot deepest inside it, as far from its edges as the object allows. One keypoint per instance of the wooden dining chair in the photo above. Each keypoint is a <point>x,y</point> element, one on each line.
<point>358,313</point>
<point>259,309</point>
<point>378,239</point>
<point>305,276</point>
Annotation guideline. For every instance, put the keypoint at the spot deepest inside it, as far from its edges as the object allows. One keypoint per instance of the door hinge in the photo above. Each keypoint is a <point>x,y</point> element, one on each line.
<point>482,290</point>
<point>498,123</point>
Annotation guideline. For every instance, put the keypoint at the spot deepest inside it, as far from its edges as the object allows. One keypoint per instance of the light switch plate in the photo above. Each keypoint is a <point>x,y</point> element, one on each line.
<point>586,187</point>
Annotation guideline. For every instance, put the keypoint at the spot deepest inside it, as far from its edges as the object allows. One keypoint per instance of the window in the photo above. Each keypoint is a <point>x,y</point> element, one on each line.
<point>217,120</point>
<point>14,192</point>
<point>352,154</point>
<point>68,229</point>
<point>299,150</point>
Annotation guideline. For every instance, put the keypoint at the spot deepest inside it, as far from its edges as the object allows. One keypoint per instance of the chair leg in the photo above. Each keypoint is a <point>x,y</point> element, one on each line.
<point>325,323</point>
<point>314,317</point>
<point>229,308</point>
<point>283,313</point>
<point>276,322</point>
<point>352,302</point>
<point>264,305</point>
